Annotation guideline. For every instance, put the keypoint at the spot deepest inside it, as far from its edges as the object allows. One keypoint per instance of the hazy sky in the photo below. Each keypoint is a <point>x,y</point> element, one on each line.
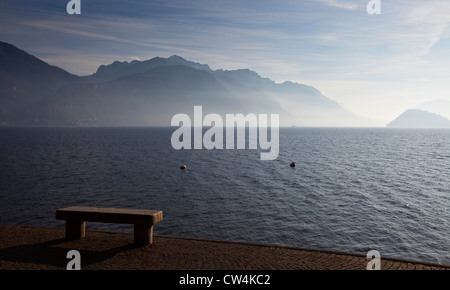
<point>374,65</point>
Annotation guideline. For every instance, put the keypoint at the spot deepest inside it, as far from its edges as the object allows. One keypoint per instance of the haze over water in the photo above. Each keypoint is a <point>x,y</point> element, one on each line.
<point>353,189</point>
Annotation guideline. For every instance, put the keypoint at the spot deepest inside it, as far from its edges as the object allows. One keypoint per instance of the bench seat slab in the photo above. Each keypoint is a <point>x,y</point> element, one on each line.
<point>143,220</point>
<point>110,215</point>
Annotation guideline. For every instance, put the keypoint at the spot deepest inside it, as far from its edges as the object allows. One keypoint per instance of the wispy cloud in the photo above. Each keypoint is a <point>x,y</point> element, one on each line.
<point>431,20</point>
<point>350,5</point>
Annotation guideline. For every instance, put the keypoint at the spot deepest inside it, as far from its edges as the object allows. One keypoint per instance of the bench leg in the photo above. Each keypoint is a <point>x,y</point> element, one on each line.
<point>75,230</point>
<point>143,235</point>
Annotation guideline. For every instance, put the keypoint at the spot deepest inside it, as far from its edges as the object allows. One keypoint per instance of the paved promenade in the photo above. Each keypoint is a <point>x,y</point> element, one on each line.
<point>32,248</point>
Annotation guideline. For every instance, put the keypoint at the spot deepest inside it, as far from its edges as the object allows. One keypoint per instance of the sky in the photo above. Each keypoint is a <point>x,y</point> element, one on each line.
<point>374,65</point>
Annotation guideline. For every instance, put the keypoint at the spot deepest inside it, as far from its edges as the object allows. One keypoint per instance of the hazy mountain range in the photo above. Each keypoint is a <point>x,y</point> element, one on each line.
<point>149,93</point>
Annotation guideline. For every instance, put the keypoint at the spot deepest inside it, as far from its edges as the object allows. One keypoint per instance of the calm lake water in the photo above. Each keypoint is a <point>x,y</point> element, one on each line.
<point>353,189</point>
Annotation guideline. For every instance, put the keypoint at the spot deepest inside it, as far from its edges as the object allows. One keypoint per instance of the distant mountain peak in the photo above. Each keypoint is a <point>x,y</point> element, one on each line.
<point>437,106</point>
<point>177,58</point>
<point>414,118</point>
<point>123,68</point>
<point>196,65</point>
<point>116,65</point>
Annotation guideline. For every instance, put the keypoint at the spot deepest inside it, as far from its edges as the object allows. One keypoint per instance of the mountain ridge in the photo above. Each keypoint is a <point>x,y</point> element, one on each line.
<point>122,68</point>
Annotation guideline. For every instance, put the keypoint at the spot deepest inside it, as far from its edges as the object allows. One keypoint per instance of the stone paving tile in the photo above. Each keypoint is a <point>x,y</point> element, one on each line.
<point>32,248</point>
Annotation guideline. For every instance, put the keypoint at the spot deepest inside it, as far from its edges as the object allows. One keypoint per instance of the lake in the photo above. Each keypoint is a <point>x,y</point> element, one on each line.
<point>352,190</point>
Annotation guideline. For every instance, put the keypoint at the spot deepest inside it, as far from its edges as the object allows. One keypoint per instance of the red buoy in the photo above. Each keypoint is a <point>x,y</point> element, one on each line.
<point>183,166</point>
<point>292,164</point>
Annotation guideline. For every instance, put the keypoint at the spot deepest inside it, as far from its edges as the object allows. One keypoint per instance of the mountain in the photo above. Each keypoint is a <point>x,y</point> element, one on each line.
<point>25,79</point>
<point>304,105</point>
<point>414,118</point>
<point>118,69</point>
<point>149,93</point>
<point>440,107</point>
<point>149,98</point>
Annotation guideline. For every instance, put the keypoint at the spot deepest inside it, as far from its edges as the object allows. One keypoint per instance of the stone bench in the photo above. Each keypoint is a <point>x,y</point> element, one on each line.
<point>143,220</point>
